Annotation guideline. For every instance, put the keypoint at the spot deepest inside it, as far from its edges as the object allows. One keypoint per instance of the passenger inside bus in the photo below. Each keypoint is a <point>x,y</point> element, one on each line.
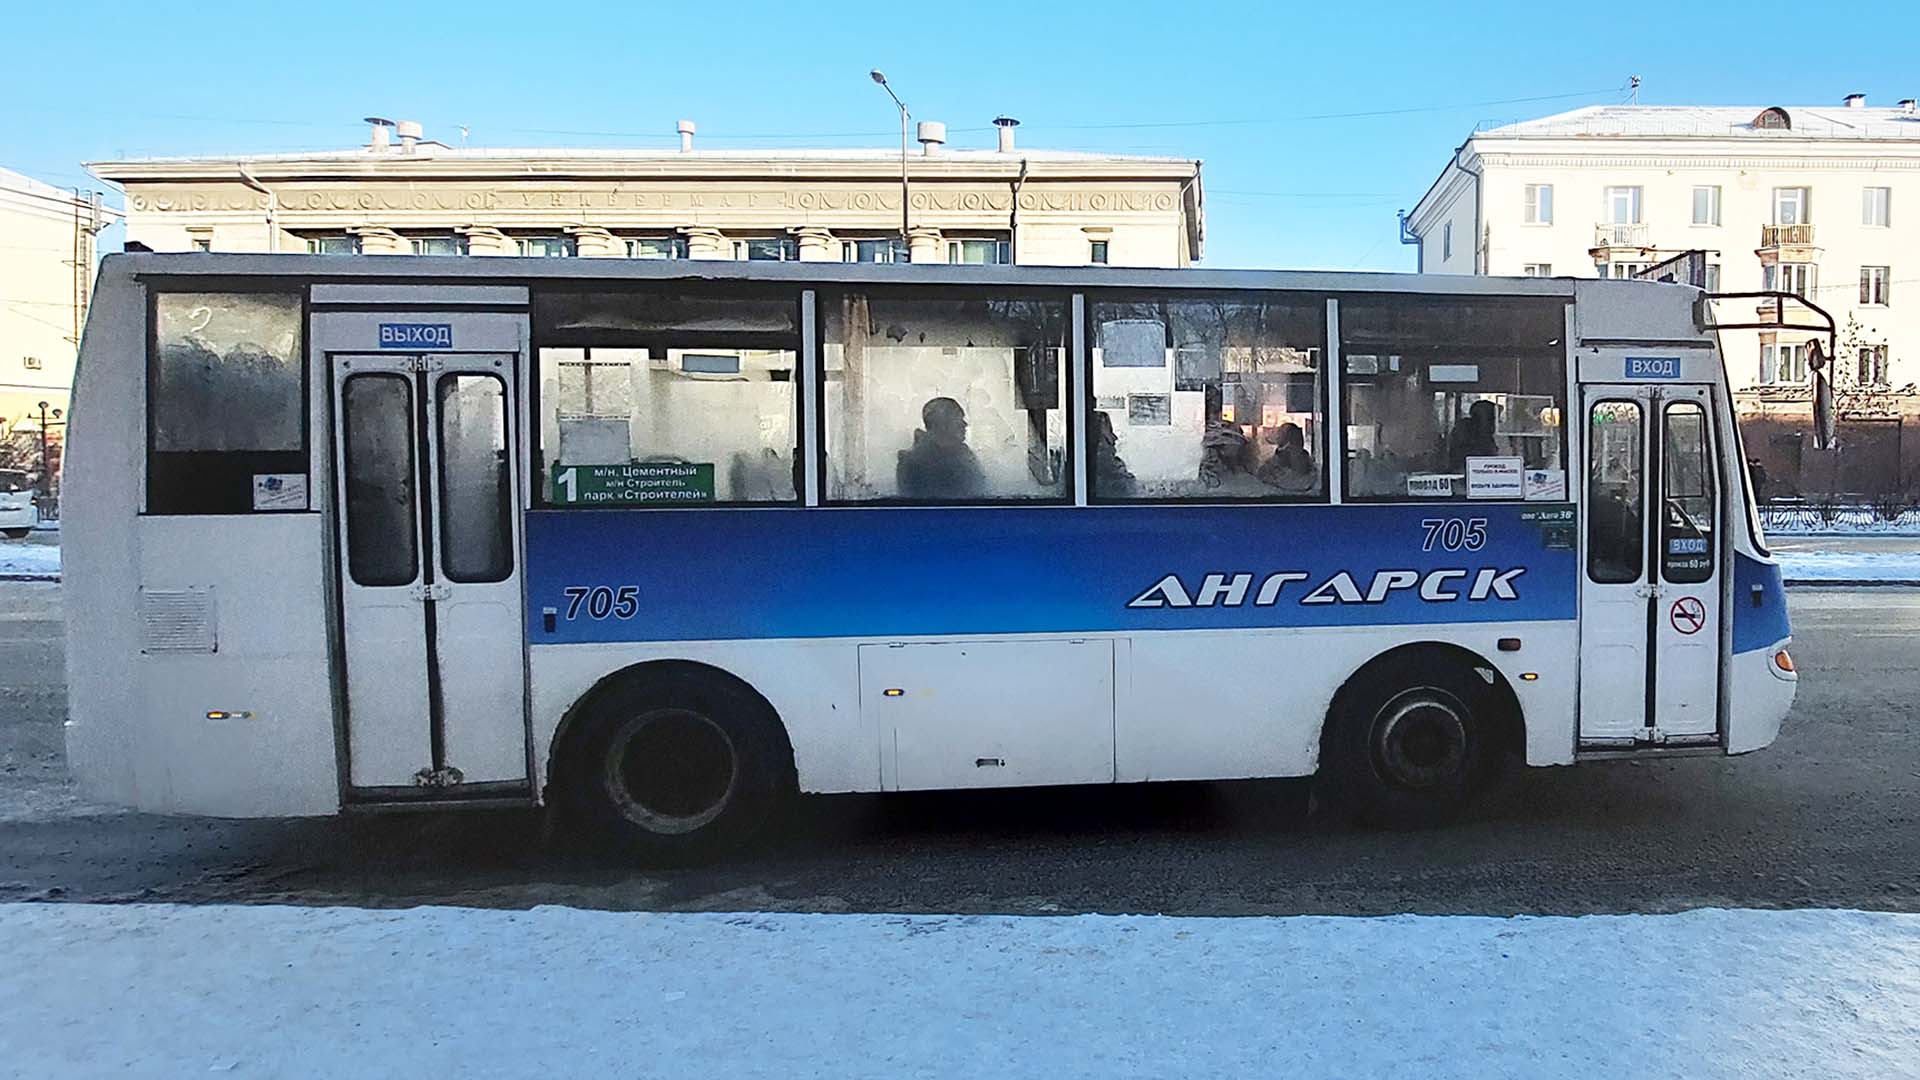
<point>940,464</point>
<point>1111,477</point>
<point>1472,435</point>
<point>1290,467</point>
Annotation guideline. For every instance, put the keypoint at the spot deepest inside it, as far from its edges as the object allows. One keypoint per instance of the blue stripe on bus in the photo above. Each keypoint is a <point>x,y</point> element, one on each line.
<point>1759,604</point>
<point>900,571</point>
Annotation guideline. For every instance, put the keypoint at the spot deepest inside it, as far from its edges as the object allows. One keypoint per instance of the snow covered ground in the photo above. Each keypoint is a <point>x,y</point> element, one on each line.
<point>1805,567</point>
<point>169,991</point>
<point>29,562</point>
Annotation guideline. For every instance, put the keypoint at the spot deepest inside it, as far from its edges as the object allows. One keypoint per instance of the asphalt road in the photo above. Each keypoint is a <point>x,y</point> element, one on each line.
<point>1829,816</point>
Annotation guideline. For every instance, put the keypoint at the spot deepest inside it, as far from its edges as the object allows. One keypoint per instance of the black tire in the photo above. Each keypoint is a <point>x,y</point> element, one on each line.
<point>1408,745</point>
<point>15,534</point>
<point>675,767</point>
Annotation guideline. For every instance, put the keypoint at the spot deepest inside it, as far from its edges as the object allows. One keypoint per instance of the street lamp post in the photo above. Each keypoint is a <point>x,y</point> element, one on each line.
<point>46,478</point>
<point>906,221</point>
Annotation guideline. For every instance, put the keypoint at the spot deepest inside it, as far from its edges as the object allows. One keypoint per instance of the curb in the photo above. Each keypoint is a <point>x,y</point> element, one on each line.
<point>1852,583</point>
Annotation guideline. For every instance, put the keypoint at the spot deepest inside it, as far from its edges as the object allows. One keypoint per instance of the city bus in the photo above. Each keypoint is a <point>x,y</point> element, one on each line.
<point>662,544</point>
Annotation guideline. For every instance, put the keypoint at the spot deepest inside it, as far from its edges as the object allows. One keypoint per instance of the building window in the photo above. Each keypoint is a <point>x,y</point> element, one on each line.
<point>546,247</point>
<point>1537,270</point>
<point>202,243</point>
<point>31,363</point>
<point>1792,206</point>
<point>1706,205</point>
<point>767,249</point>
<point>1796,278</point>
<point>1623,206</point>
<point>1446,241</point>
<point>1097,252</point>
<point>944,398</point>
<point>1625,270</point>
<point>1873,365</point>
<point>1876,206</point>
<point>1873,285</point>
<point>1538,205</point>
<point>979,252</point>
<point>887,250</point>
<point>1783,364</point>
<point>1713,277</point>
<point>342,244</point>
<point>657,247</point>
<point>440,245</point>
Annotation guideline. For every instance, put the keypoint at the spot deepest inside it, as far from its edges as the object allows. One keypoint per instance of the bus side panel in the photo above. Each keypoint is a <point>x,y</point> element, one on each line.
<point>1204,705</point>
<point>1759,694</point>
<point>813,686</point>
<point>100,481</point>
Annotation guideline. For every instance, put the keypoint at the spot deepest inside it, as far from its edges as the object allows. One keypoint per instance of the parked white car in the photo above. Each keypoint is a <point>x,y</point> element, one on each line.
<point>18,514</point>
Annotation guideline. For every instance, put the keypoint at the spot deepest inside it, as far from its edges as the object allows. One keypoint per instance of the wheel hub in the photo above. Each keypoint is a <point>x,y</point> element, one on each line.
<point>1420,739</point>
<point>671,770</point>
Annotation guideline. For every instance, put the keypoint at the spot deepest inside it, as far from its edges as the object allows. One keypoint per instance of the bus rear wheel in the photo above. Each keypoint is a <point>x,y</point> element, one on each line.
<point>674,768</point>
<point>1409,745</point>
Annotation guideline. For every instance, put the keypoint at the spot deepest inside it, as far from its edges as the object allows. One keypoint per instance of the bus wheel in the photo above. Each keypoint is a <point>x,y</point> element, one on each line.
<point>676,768</point>
<point>1409,746</point>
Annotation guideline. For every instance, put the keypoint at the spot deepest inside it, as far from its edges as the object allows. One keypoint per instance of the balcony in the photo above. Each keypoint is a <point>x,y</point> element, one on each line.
<point>1609,237</point>
<point>1776,238</point>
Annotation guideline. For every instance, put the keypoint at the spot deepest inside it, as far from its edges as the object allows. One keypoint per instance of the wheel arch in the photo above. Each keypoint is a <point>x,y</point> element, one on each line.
<point>1508,717</point>
<point>664,670</point>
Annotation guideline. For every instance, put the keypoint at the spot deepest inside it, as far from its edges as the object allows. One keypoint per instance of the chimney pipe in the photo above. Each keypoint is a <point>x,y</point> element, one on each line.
<point>409,132</point>
<point>1856,101</point>
<point>381,138</point>
<point>1907,106</point>
<point>1006,124</point>
<point>932,135</point>
<point>685,127</point>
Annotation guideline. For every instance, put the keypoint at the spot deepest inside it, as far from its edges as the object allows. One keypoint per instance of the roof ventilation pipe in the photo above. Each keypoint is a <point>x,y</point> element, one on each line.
<point>932,135</point>
<point>1856,101</point>
<point>1006,124</point>
<point>409,132</point>
<point>1907,106</point>
<point>382,135</point>
<point>685,128</point>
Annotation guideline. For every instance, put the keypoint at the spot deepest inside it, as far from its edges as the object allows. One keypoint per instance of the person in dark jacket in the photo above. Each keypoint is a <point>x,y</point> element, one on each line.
<point>1472,435</point>
<point>1111,477</point>
<point>940,464</point>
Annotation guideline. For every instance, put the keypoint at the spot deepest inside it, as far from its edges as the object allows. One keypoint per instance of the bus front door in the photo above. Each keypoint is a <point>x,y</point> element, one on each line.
<point>429,571</point>
<point>1650,593</point>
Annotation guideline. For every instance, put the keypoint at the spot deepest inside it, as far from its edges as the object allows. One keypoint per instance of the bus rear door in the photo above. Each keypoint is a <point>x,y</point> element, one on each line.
<point>1650,595</point>
<point>428,534</point>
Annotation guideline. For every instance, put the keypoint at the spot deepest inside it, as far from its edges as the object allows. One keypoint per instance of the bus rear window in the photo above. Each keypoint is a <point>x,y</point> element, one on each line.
<point>1462,398</point>
<point>227,400</point>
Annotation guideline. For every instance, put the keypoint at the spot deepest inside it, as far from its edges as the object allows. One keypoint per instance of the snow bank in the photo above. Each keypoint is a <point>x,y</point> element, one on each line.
<point>29,562</point>
<point>162,990</point>
<point>1874,566</point>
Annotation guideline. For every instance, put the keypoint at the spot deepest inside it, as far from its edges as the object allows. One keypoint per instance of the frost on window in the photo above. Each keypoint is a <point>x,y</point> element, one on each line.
<point>226,372</point>
<point>1430,386</point>
<point>944,399</point>
<point>667,400</point>
<point>1207,398</point>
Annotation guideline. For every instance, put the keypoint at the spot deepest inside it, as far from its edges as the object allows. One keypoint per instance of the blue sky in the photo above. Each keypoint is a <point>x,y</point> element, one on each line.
<point>1315,123</point>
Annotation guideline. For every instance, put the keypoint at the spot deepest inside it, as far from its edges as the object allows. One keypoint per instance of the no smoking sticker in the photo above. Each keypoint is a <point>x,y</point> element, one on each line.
<point>1688,615</point>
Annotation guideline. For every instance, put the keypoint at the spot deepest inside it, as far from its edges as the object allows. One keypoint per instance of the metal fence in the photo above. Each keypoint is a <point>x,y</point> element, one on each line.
<point>1803,517</point>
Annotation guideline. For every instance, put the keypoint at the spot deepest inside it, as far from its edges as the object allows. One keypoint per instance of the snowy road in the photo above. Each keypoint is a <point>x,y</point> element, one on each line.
<point>164,991</point>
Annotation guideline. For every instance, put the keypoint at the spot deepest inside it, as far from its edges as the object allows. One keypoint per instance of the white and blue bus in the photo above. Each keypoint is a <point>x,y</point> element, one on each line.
<point>662,543</point>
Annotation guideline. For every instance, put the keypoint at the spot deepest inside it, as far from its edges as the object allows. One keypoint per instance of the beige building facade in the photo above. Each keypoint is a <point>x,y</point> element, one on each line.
<point>404,194</point>
<point>47,239</point>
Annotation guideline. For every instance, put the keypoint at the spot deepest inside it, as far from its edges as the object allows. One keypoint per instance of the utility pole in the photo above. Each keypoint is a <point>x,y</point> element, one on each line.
<point>906,220</point>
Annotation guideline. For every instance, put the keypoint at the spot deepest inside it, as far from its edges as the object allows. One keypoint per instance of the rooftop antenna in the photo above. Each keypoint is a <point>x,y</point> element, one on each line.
<point>463,135</point>
<point>1633,89</point>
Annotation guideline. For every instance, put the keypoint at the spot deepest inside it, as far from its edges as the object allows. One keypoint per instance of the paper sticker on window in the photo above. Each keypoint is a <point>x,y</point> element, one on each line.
<point>1495,478</point>
<point>1430,485</point>
<point>279,491</point>
<point>1545,485</point>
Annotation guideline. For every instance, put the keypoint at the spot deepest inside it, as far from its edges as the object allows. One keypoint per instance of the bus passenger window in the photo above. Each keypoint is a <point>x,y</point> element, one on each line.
<point>667,400</point>
<point>226,386</point>
<point>1207,398</point>
<point>1454,398</point>
<point>944,398</point>
<point>1687,550</point>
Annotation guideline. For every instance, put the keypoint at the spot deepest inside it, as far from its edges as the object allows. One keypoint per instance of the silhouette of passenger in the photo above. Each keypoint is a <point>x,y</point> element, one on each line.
<point>1472,436</point>
<point>940,464</point>
<point>1290,468</point>
<point>1111,477</point>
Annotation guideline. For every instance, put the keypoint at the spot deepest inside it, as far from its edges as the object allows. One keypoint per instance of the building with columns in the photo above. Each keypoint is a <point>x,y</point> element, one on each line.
<point>1822,201</point>
<point>402,194</point>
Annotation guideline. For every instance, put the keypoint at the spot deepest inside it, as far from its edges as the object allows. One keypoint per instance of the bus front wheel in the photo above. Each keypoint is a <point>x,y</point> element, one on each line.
<point>1410,743</point>
<point>675,767</point>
